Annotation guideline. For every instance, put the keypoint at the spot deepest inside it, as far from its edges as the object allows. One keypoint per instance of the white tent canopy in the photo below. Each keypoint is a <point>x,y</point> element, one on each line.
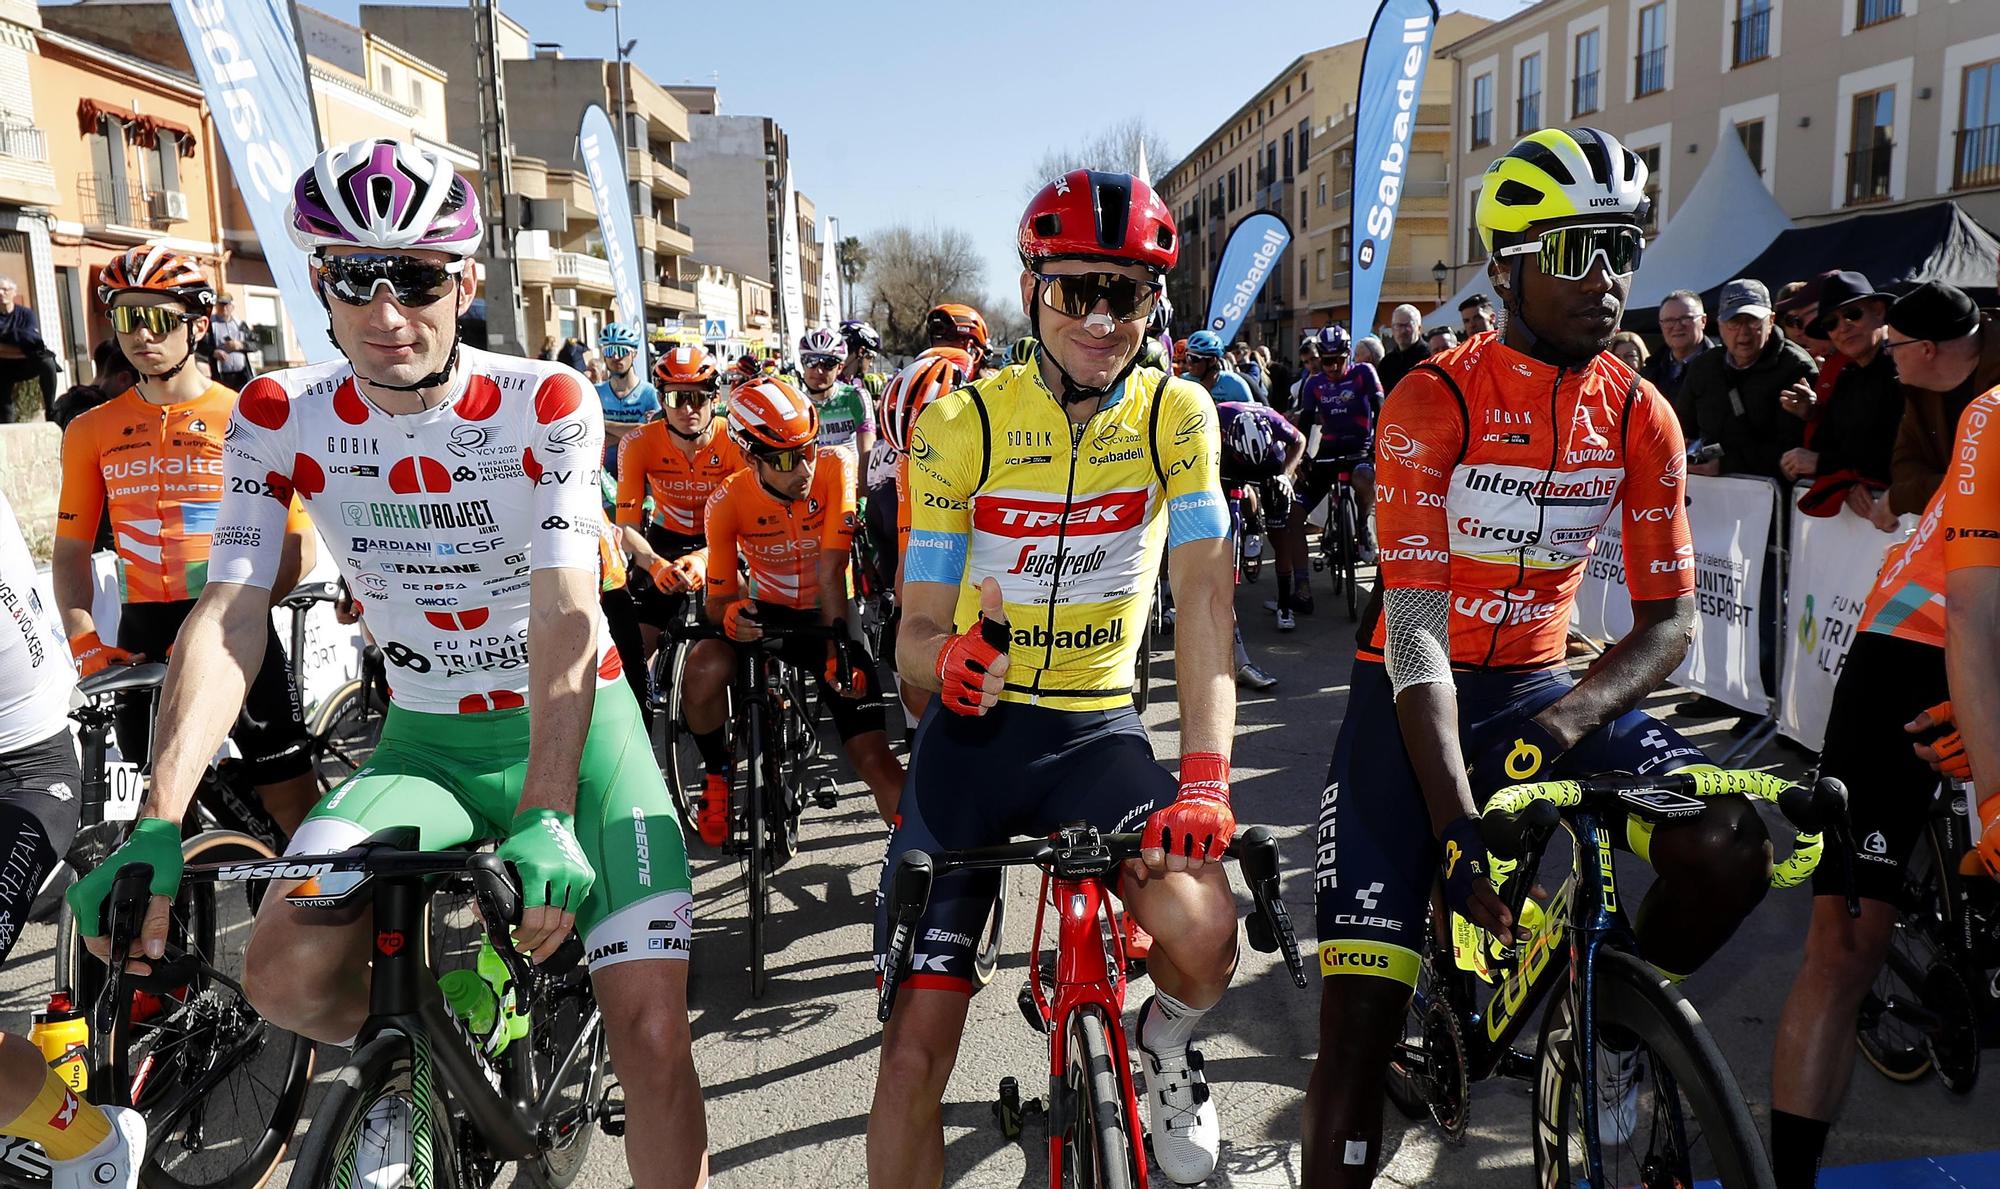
<point>1727,219</point>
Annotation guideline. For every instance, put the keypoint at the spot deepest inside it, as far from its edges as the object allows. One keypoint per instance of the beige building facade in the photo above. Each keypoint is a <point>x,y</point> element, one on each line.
<point>1282,152</point>
<point>1844,106</point>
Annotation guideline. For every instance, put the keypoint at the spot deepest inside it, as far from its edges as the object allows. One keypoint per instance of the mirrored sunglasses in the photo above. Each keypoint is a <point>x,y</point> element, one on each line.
<point>413,283</point>
<point>1571,253</point>
<point>1075,295</point>
<point>161,320</point>
<point>786,460</point>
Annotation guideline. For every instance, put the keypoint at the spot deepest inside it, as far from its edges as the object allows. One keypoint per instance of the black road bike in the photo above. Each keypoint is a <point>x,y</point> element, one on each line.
<point>1936,1004</point>
<point>1690,1121</point>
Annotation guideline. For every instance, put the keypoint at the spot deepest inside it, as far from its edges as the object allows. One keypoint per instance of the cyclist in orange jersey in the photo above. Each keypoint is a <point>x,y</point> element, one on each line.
<point>154,455</point>
<point>788,518</point>
<point>678,460</point>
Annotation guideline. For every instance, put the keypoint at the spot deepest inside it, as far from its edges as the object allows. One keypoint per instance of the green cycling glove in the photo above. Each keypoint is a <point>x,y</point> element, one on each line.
<point>155,842</point>
<point>543,849</point>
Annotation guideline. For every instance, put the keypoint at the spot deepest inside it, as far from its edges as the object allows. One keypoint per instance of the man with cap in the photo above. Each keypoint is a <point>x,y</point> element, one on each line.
<point>1857,429</point>
<point>1475,315</point>
<point>1946,352</point>
<point>1733,393</point>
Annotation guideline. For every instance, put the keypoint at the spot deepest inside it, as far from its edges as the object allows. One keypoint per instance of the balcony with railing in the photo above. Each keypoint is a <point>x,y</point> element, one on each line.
<point>577,268</point>
<point>1876,12</point>
<point>1649,72</point>
<point>23,142</point>
<point>1481,130</point>
<point>1583,94</point>
<point>1750,38</point>
<point>1868,173</point>
<point>1976,159</point>
<point>114,210</point>
<point>1528,112</point>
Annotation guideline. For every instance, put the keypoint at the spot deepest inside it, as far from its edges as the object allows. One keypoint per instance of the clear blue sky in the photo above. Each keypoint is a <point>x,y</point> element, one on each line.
<point>897,116</point>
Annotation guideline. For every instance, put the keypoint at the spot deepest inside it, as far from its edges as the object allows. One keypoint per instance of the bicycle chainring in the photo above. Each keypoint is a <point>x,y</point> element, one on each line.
<point>1954,1041</point>
<point>1445,1079</point>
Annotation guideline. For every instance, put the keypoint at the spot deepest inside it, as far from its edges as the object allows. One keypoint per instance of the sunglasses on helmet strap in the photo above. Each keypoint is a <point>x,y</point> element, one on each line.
<point>413,283</point>
<point>1075,295</point>
<point>1569,253</point>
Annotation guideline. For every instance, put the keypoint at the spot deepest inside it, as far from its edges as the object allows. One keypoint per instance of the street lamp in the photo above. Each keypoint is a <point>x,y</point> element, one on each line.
<point>624,47</point>
<point>1438,272</point>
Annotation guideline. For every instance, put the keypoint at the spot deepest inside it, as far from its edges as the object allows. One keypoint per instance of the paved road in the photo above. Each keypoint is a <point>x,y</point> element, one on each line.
<point>788,1078</point>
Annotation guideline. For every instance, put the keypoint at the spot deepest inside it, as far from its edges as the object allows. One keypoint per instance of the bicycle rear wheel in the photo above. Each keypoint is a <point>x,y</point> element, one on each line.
<point>1096,1145</point>
<point>221,1088</point>
<point>565,1052</point>
<point>347,728</point>
<point>673,744</point>
<point>382,1110</point>
<point>987,960</point>
<point>1894,1021</point>
<point>1350,553</point>
<point>1691,1122</point>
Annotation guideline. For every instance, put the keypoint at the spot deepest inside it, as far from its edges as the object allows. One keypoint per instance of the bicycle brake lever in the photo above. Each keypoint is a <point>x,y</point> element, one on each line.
<point>1276,922</point>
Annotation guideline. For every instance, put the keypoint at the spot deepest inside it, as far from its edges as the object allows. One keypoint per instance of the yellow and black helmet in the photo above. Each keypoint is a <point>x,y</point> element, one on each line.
<point>1558,173</point>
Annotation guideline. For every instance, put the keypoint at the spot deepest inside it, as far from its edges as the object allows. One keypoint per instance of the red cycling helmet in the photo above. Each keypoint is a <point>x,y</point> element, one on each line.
<point>1089,215</point>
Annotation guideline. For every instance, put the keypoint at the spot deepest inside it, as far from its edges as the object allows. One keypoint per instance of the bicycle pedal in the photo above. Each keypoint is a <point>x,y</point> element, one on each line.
<point>1031,1011</point>
<point>825,794</point>
<point>611,1115</point>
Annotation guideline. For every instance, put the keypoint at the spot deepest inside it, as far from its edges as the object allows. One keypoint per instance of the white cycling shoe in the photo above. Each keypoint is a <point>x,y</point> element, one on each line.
<point>114,1163</point>
<point>383,1158</point>
<point>1186,1134</point>
<point>1618,1078</point>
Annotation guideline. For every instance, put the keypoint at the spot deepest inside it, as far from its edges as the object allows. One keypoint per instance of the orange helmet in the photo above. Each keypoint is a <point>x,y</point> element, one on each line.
<point>769,414</point>
<point>932,375</point>
<point>685,365</point>
<point>152,268</point>
<point>959,357</point>
<point>956,324</point>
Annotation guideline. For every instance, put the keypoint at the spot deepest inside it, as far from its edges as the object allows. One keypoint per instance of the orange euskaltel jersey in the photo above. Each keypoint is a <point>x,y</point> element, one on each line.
<point>160,469</point>
<point>651,462</point>
<point>1494,473</point>
<point>1960,529</point>
<point>780,541</point>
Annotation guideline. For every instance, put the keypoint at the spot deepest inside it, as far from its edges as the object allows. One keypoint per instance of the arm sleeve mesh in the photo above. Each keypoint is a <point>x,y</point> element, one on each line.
<point>1416,638</point>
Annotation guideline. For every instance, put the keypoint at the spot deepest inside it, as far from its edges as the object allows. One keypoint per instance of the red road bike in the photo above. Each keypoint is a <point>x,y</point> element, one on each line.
<point>1078,1000</point>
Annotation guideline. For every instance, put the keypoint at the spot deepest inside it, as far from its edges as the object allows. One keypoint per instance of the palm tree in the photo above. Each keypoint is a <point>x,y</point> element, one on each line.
<point>852,262</point>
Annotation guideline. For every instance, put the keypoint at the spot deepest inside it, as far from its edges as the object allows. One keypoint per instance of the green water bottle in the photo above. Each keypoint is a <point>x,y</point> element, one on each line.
<point>483,1000</point>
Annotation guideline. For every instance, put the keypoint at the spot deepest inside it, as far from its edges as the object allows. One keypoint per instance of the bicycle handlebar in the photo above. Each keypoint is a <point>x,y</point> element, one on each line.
<point>1519,817</point>
<point>1078,852</point>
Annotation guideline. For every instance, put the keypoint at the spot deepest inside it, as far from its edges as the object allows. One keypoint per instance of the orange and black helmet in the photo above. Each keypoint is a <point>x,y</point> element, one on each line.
<point>933,374</point>
<point>154,268</point>
<point>685,365</point>
<point>769,414</point>
<point>955,325</point>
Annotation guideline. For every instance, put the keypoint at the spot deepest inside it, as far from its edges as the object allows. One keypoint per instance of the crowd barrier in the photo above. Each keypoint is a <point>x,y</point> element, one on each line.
<point>1752,543</point>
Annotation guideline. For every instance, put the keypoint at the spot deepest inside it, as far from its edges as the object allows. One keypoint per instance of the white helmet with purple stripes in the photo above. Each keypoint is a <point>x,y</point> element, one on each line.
<point>386,195</point>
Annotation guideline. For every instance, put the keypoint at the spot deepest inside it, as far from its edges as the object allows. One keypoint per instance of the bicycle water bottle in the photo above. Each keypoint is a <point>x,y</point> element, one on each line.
<point>483,1000</point>
<point>62,1032</point>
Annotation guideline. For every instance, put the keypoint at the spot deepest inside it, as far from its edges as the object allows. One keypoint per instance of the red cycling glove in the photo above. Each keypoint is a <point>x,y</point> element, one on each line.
<point>845,670</point>
<point>964,661</point>
<point>94,656</point>
<point>673,575</point>
<point>1945,744</point>
<point>1199,824</point>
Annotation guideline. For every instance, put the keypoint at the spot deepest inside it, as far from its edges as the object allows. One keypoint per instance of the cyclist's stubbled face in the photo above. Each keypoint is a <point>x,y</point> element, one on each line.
<point>684,415</point>
<point>791,484</point>
<point>1576,318</point>
<point>151,353</point>
<point>397,344</point>
<point>1092,349</point>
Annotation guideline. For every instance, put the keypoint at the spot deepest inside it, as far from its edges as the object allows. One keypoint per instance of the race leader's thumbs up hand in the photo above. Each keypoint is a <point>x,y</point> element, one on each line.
<point>972,666</point>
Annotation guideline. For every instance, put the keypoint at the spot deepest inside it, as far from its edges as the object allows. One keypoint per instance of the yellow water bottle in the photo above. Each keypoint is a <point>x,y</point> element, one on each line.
<point>62,1032</point>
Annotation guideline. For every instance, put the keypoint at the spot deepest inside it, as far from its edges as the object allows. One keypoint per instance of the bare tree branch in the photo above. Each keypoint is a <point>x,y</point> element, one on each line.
<point>910,270</point>
<point>1116,148</point>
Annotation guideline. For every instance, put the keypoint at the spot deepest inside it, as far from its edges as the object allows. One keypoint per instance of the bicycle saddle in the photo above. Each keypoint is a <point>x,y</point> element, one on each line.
<point>119,679</point>
<point>305,594</point>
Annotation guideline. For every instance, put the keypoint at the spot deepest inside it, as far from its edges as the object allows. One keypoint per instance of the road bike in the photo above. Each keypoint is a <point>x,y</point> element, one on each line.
<point>1095,1136</point>
<point>417,1076</point>
<point>347,724</point>
<point>1691,1119</point>
<point>1340,539</point>
<point>1935,1007</point>
<point>220,1087</point>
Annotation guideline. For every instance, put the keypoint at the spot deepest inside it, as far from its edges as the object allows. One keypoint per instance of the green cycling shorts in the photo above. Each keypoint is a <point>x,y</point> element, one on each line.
<point>457,778</point>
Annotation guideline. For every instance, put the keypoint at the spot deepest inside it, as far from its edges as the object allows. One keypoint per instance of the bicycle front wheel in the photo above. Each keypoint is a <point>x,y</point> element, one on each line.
<point>758,882</point>
<point>1096,1141</point>
<point>382,1113</point>
<point>1350,553</point>
<point>1679,1117</point>
<point>673,744</point>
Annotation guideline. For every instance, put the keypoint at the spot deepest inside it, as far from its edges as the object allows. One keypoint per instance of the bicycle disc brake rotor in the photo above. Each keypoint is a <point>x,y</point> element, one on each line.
<point>1446,1084</point>
<point>1954,1040</point>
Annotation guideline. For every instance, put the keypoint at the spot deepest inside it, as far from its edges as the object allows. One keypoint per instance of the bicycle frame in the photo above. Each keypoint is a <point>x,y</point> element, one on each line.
<point>1083,978</point>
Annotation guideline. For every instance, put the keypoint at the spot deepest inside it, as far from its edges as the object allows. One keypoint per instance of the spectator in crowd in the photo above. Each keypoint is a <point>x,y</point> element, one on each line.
<point>1475,314</point>
<point>1405,325</point>
<point>1684,329</point>
<point>1630,348</point>
<point>1947,353</point>
<point>1733,393</point>
<point>593,367</point>
<point>23,354</point>
<point>1308,367</point>
<point>1440,339</point>
<point>1369,350</point>
<point>545,355</point>
<point>1857,430</point>
<point>571,354</point>
<point>111,374</point>
<point>228,345</point>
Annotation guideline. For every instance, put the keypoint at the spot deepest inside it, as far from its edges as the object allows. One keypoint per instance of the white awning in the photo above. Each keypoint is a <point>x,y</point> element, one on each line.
<point>1724,223</point>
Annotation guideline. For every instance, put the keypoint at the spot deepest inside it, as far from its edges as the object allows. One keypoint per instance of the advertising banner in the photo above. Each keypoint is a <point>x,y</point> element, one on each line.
<point>1385,118</point>
<point>1834,562</point>
<point>250,71</point>
<point>829,277</point>
<point>1248,260</point>
<point>791,274</point>
<point>597,143</point>
<point>1731,521</point>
